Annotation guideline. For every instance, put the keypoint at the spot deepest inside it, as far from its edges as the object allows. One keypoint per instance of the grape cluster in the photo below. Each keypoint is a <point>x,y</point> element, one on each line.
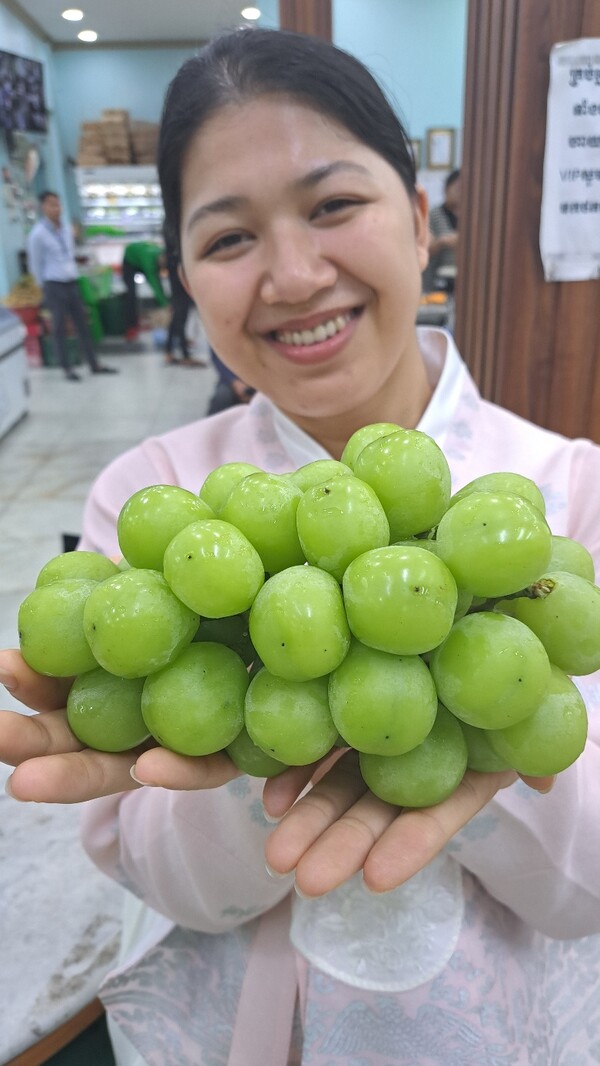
<point>353,603</point>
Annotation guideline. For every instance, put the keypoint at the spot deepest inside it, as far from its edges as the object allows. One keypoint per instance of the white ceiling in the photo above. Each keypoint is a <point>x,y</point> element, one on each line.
<point>132,21</point>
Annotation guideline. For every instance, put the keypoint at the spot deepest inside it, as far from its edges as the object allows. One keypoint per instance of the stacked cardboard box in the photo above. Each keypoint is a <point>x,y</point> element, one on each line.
<point>90,151</point>
<point>115,133</point>
<point>144,139</point>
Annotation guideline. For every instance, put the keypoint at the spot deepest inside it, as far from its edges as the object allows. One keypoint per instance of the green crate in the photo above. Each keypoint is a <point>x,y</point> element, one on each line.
<point>112,314</point>
<point>49,356</point>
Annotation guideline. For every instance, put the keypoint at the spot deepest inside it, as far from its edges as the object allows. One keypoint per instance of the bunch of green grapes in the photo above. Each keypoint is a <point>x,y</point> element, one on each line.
<point>356,604</point>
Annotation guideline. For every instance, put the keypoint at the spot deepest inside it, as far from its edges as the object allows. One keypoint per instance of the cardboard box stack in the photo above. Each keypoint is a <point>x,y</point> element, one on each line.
<point>116,139</point>
<point>90,151</point>
<point>144,139</point>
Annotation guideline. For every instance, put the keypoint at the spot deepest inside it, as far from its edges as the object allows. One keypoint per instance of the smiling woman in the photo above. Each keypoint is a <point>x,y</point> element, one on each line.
<point>289,190</point>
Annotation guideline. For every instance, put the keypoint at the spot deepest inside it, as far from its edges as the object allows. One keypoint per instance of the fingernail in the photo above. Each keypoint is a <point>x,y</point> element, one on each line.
<point>302,894</point>
<point>138,780</point>
<point>268,818</point>
<point>274,873</point>
<point>8,680</point>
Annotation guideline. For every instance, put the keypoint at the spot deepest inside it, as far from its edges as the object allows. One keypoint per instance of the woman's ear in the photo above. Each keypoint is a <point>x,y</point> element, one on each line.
<point>184,280</point>
<point>421,212</point>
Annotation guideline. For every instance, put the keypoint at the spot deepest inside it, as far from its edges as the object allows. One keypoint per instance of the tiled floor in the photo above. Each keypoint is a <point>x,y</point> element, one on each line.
<point>48,460</point>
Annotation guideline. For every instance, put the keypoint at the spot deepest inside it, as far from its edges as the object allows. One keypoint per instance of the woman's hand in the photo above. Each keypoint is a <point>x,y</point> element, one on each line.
<point>53,767</point>
<point>339,827</point>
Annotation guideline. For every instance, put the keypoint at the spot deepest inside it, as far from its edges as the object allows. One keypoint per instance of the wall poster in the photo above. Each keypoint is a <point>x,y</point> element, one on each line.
<point>570,217</point>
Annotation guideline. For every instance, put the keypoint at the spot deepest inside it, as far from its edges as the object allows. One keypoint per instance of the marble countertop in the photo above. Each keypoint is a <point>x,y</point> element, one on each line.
<point>59,921</point>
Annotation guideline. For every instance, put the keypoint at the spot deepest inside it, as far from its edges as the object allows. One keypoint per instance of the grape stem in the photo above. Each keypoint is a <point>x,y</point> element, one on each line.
<point>538,590</point>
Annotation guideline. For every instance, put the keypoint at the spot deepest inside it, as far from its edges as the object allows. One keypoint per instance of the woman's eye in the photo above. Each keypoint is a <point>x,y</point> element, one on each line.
<point>338,203</point>
<point>228,242</point>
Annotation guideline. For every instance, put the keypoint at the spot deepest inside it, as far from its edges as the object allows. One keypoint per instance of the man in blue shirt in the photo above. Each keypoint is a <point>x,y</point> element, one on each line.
<point>51,260</point>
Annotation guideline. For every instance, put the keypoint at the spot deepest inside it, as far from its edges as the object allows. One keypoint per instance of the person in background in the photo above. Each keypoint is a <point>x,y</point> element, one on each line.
<point>181,305</point>
<point>463,934</point>
<point>443,233</point>
<point>149,259</point>
<point>229,390</point>
<point>51,260</point>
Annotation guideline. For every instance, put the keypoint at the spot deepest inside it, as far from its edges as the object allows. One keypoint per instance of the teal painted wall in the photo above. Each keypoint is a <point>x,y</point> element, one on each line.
<point>416,49</point>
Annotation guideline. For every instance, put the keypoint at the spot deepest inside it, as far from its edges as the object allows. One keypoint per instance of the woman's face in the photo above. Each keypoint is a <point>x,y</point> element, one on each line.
<point>303,252</point>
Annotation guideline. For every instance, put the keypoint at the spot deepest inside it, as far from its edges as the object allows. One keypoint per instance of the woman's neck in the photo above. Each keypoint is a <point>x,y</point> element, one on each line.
<point>395,402</point>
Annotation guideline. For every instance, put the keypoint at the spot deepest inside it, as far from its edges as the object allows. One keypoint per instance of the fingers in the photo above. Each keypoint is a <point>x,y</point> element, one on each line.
<point>540,784</point>
<point>311,817</point>
<point>35,691</point>
<point>24,736</point>
<point>73,777</point>
<point>158,766</point>
<point>415,837</point>
<point>282,791</point>
<point>339,828</point>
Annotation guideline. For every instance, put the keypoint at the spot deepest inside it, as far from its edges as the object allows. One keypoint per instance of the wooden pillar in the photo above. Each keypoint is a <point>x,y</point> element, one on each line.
<point>533,346</point>
<point>306,16</point>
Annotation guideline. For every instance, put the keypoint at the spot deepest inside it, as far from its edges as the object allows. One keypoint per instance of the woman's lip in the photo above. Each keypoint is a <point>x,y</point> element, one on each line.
<point>320,351</point>
<point>296,325</point>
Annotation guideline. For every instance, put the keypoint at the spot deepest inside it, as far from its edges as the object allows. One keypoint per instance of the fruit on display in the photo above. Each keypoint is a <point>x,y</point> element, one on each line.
<point>354,603</point>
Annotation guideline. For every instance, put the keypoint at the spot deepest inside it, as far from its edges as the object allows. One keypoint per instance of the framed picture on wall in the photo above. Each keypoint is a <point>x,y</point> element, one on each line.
<point>417,150</point>
<point>440,149</point>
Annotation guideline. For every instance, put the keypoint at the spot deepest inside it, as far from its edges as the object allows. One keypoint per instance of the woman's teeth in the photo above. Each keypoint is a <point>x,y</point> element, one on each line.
<point>314,336</point>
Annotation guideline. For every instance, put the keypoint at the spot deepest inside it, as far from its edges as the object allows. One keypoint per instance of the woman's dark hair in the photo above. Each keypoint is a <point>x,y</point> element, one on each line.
<point>243,64</point>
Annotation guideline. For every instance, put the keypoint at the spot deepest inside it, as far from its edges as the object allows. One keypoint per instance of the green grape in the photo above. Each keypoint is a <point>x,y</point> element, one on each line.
<point>51,628</point>
<point>400,600</point>
<point>552,737</point>
<point>134,623</point>
<point>213,568</point>
<point>503,481</point>
<point>219,483</point>
<point>339,520</point>
<point>90,566</point>
<point>495,543</point>
<point>105,712</point>
<point>563,610</point>
<point>382,704</point>
<point>195,706</point>
<point>481,755</point>
<point>263,507</point>
<point>363,436</point>
<point>491,671</point>
<point>151,518</point>
<point>232,631</point>
<point>298,625</point>
<point>465,597</point>
<point>424,776</point>
<point>290,720</point>
<point>410,475</point>
<point>252,760</point>
<point>318,471</point>
<point>571,556</point>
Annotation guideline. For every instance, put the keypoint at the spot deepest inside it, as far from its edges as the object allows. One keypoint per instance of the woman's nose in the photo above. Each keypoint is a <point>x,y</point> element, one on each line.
<point>295,268</point>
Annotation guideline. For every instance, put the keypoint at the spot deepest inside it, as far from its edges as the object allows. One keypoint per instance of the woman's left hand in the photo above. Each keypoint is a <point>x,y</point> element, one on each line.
<point>339,827</point>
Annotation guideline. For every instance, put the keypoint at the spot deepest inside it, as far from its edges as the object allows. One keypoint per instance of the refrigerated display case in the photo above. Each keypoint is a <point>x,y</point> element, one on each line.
<point>14,377</point>
<point>118,204</point>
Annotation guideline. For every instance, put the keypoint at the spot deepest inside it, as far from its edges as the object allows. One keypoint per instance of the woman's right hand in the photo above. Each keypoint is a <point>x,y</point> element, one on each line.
<point>51,766</point>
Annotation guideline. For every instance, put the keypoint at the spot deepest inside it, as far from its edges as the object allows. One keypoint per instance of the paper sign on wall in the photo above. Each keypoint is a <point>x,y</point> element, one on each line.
<point>570,219</point>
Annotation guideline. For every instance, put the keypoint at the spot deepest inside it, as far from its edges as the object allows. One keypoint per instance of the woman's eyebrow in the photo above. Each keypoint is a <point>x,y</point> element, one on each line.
<point>232,203</point>
<point>215,207</point>
<point>320,173</point>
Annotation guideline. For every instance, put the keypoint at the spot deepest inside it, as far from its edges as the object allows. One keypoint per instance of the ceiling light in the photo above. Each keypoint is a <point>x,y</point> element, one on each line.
<point>251,13</point>
<point>72,14</point>
<point>88,36</point>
